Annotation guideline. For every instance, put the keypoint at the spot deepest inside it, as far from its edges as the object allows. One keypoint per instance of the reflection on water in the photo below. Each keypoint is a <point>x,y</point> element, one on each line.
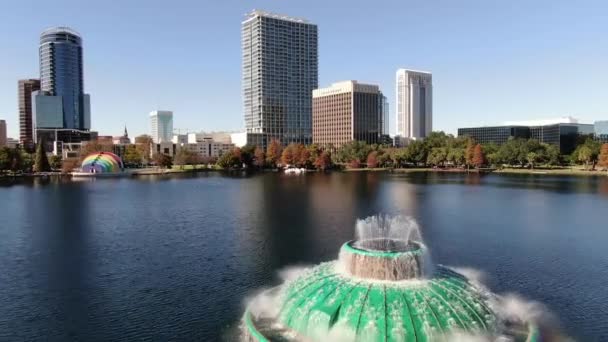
<point>172,257</point>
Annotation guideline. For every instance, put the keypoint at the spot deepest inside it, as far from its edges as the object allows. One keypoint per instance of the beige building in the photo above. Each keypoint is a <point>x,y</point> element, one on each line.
<point>347,111</point>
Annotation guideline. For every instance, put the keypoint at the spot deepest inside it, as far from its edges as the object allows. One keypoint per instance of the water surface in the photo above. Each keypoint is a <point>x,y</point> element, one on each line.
<point>173,257</point>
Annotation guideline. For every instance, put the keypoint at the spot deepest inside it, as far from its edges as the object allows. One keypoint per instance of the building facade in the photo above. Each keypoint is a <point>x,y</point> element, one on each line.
<point>62,78</point>
<point>25,90</point>
<point>3,137</point>
<point>414,102</point>
<point>347,111</point>
<point>562,135</point>
<point>280,71</point>
<point>601,130</point>
<point>161,124</point>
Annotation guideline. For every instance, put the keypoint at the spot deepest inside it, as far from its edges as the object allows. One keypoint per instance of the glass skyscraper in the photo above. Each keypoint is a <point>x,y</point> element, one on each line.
<point>280,71</point>
<point>61,79</point>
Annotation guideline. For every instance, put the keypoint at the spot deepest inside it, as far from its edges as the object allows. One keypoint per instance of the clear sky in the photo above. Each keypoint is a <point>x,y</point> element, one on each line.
<point>492,61</point>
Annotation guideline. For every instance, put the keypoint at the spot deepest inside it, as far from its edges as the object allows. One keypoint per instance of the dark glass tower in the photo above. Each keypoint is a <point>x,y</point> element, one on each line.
<point>61,75</point>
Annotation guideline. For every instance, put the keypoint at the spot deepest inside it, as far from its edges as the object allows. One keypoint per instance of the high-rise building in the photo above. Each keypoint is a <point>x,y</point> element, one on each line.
<point>3,138</point>
<point>347,111</point>
<point>61,76</point>
<point>161,122</point>
<point>280,71</point>
<point>25,90</point>
<point>414,104</point>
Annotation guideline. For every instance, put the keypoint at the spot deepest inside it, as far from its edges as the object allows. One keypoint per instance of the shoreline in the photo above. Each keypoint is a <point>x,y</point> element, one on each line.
<point>155,172</point>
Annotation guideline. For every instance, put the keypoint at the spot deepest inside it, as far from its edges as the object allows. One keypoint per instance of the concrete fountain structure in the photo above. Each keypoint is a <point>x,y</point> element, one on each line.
<point>382,288</point>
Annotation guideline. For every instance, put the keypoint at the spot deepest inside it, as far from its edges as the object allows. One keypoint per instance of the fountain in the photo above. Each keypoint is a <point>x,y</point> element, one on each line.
<point>381,288</point>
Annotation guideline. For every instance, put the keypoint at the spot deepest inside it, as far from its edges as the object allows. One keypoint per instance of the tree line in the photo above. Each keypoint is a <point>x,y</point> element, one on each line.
<point>438,150</point>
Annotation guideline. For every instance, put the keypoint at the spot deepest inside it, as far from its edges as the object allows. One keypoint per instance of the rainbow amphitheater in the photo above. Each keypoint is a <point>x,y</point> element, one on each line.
<point>101,163</point>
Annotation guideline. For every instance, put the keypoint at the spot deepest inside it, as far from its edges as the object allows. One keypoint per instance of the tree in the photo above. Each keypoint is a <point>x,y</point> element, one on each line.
<point>603,158</point>
<point>144,143</point>
<point>587,153</point>
<point>287,157</point>
<point>247,155</point>
<point>478,157</point>
<point>133,155</point>
<point>372,160</point>
<point>438,156</point>
<point>273,153</point>
<point>230,159</point>
<point>163,160</point>
<point>417,152</point>
<point>41,163</point>
<point>6,157</point>
<point>303,156</point>
<point>323,161</point>
<point>69,165</point>
<point>184,157</point>
<point>259,158</point>
<point>470,153</point>
<point>533,158</point>
<point>55,162</point>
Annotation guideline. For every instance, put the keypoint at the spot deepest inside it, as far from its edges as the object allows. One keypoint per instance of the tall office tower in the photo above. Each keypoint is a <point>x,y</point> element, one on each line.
<point>3,138</point>
<point>414,104</point>
<point>161,122</point>
<point>347,111</point>
<point>25,90</point>
<point>61,81</point>
<point>280,71</point>
<point>385,115</point>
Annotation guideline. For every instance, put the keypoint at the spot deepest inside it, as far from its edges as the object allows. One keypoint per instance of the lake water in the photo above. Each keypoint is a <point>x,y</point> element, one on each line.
<point>174,257</point>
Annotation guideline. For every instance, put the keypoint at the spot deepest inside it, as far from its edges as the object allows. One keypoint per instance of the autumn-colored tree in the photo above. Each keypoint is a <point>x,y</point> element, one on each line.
<point>274,153</point>
<point>69,164</point>
<point>93,147</point>
<point>163,160</point>
<point>303,156</point>
<point>259,157</point>
<point>372,160</point>
<point>469,153</point>
<point>479,159</point>
<point>184,157</point>
<point>287,157</point>
<point>603,158</point>
<point>323,161</point>
<point>354,164</point>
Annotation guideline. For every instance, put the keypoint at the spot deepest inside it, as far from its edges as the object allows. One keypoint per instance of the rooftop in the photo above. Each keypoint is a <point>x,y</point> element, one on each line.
<point>412,70</point>
<point>543,122</point>
<point>260,13</point>
<point>60,29</point>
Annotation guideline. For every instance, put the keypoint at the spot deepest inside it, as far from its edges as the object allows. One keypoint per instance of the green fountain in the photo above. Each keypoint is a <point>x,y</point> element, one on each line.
<point>381,288</point>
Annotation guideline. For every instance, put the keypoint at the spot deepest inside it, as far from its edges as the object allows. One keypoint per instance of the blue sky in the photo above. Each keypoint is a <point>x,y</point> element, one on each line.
<point>492,61</point>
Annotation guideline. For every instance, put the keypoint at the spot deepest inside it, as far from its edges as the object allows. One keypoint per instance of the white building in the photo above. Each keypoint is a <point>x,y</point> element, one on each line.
<point>207,148</point>
<point>414,104</point>
<point>239,139</point>
<point>3,138</point>
<point>161,122</point>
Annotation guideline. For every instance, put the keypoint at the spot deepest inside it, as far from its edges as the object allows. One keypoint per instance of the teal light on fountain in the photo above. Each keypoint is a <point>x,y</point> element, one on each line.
<point>377,291</point>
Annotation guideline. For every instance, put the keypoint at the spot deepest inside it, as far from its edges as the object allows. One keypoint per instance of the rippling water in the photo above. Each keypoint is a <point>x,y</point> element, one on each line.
<point>172,258</point>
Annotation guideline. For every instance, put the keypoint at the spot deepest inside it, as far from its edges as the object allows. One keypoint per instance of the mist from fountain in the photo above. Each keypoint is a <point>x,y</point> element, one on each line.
<point>386,248</point>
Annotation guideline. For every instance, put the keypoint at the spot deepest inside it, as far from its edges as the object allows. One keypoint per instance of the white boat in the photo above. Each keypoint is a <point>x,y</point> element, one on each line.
<point>295,170</point>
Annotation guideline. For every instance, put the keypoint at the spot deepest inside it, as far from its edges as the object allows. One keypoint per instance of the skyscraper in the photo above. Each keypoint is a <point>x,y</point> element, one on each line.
<point>347,111</point>
<point>161,122</point>
<point>3,138</point>
<point>25,90</point>
<point>414,104</point>
<point>62,81</point>
<point>280,71</point>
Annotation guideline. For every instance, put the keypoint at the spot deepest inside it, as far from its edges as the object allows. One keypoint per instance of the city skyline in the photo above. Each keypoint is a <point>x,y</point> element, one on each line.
<point>530,67</point>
